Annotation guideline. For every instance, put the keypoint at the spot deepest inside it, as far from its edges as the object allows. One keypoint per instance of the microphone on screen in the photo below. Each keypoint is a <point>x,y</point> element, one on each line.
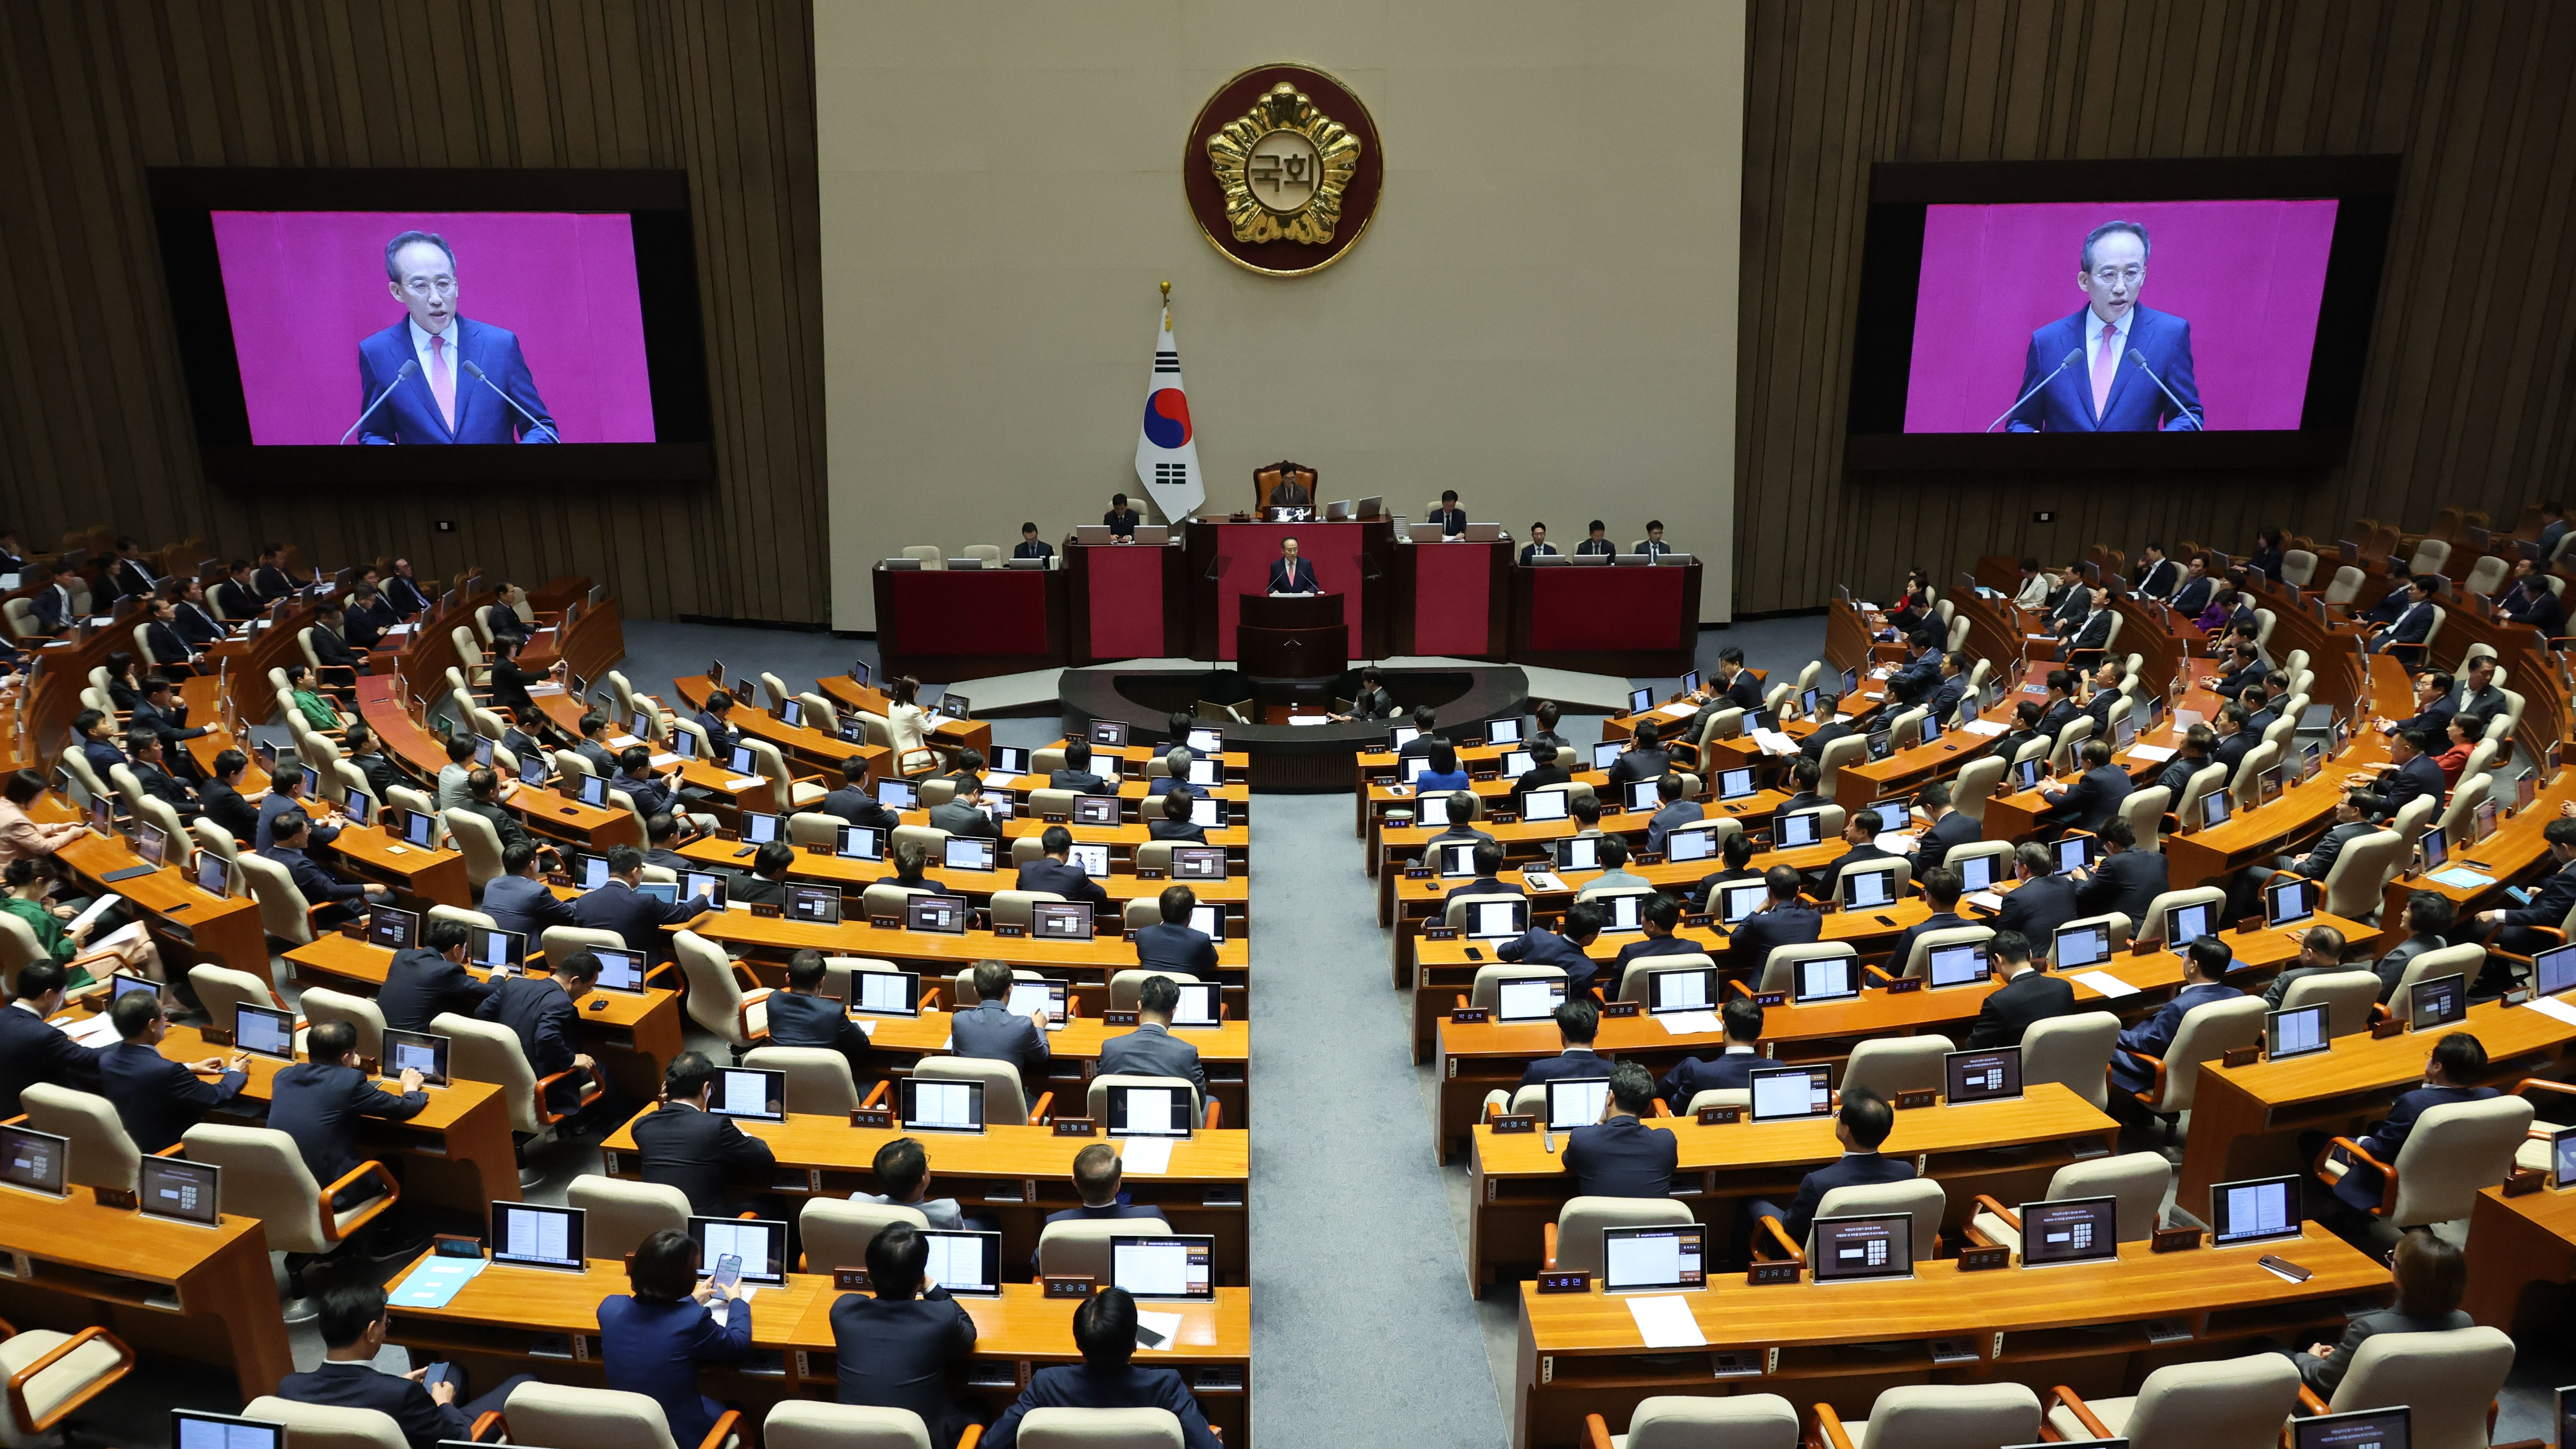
<point>2138,360</point>
<point>476,373</point>
<point>409,371</point>
<point>2073,356</point>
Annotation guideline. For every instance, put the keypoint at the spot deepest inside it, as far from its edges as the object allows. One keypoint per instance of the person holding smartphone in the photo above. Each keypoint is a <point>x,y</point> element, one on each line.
<point>652,1339</point>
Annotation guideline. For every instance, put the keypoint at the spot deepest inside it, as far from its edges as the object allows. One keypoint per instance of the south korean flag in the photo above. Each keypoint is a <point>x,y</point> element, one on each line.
<point>1167,448</point>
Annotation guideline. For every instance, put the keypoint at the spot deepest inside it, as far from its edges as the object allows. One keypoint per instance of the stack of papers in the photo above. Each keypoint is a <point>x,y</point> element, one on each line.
<point>1147,1154</point>
<point>93,1031</point>
<point>1310,719</point>
<point>1690,1023</point>
<point>2106,983</point>
<point>433,1283</point>
<point>2156,754</point>
<point>1982,727</point>
<point>540,690</point>
<point>2552,1006</point>
<point>1664,1321</point>
<point>1986,900</point>
<point>744,782</point>
<point>1540,880</point>
<point>1772,742</point>
<point>1678,709</point>
<point>2462,877</point>
<point>665,761</point>
<point>97,909</point>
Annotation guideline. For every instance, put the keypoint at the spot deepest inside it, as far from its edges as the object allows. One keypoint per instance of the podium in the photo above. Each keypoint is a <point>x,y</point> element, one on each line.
<point>1291,639</point>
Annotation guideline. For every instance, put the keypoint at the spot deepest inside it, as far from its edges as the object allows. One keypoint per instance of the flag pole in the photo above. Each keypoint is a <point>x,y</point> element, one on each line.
<point>1167,304</point>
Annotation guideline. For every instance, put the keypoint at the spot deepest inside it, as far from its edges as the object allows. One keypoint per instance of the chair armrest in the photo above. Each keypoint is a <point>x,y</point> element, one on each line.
<point>2387,1172</point>
<point>744,977</point>
<point>2309,1403</point>
<point>2154,1093</point>
<point>392,1195</point>
<point>1462,1001</point>
<point>1039,1113</point>
<point>1547,1246</point>
<point>1987,1201</point>
<point>1215,1110</point>
<point>489,1421</point>
<point>876,1095</point>
<point>1882,976</point>
<point>1830,1430</point>
<point>2062,1397</point>
<point>967,1440</point>
<point>1779,1240</point>
<point>24,1415</point>
<point>2543,1084</point>
<point>1736,985</point>
<point>727,1425</point>
<point>742,1016</point>
<point>589,1095</point>
<point>1596,1432</point>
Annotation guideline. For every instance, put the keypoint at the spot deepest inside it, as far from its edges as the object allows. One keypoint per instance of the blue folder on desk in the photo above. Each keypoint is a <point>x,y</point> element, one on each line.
<point>435,1282</point>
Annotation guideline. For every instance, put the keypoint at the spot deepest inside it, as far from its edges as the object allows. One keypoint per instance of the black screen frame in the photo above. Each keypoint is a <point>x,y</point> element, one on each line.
<point>183,199</point>
<point>2364,189</point>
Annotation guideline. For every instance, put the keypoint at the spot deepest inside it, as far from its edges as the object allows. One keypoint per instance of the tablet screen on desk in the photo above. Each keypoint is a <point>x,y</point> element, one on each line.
<point>122,984</point>
<point>1458,862</point>
<point>34,1160</point>
<point>1793,828</point>
<point>1150,1111</point>
<point>151,842</point>
<point>1534,1000</point>
<point>1681,988</point>
<point>1606,753</point>
<point>1740,899</point>
<point>1962,963</point>
<point>1867,889</point>
<point>1168,1267</point>
<point>2253,1210</point>
<point>1111,733</point>
<point>1644,794</point>
<point>1198,1006</point>
<point>214,874</point>
<point>762,1246</point>
<point>2214,809</point>
<point>821,905</point>
<point>1976,872</point>
<point>759,829</point>
<point>2562,1158</point>
<point>704,885</point>
<point>2362,1429</point>
<point>897,794</point>
<point>2296,1033</point>
<point>886,993</point>
<point>1622,912</point>
<point>1028,998</point>
<point>1207,812</point>
<point>2438,1002</point>
<point>1576,1101</point>
<point>860,842</point>
<point>2186,924</point>
<point>180,1190</point>
<point>1095,809</point>
<point>2078,946</point>
<point>1206,740</point>
<point>964,1263</point>
<point>2553,970</point>
<point>420,828</point>
<point>1736,785</point>
<point>1092,860</point>
<point>931,1105</point>
<point>1543,805</point>
<point>1517,763</point>
<point>264,1031</point>
<point>192,1430</point>
<point>660,892</point>
<point>533,1236</point>
<point>2026,773</point>
<point>590,872</point>
<point>416,1051</point>
<point>752,1093</point>
<point>1697,843</point>
<point>1785,1094</point>
<point>1010,760</point>
<point>1503,731</point>
<point>1580,853</point>
<point>1060,920</point>
<point>968,852</point>
<point>1826,978</point>
<point>1209,921</point>
<point>1849,1250</point>
<point>2436,845</point>
<point>2072,852</point>
<point>1992,1075</point>
<point>1401,735</point>
<point>2289,901</point>
<point>1497,919</point>
<point>1197,862</point>
<point>1645,1260</point>
<point>393,928</point>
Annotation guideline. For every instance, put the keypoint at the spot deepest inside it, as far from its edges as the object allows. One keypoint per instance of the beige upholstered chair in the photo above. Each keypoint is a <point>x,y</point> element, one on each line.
<point>620,1214</point>
<point>2234,1403</point>
<point>806,1424</point>
<point>818,1078</point>
<point>480,843</point>
<point>320,1004</point>
<point>2138,1179</point>
<point>2447,1380</point>
<point>265,1178</point>
<point>98,1153</point>
<point>1893,1064</point>
<point>1080,1248</point>
<point>328,1426</point>
<point>565,1417</point>
<point>1100,1429</point>
<point>61,1372</point>
<point>2348,997</point>
<point>2208,1031</point>
<point>1003,1100</point>
<point>2074,1051</point>
<point>836,1233</point>
<point>2355,886</point>
<point>1690,1421</point>
<point>1573,1242</point>
<point>719,987</point>
<point>2456,1150</point>
<point>1934,1416</point>
<point>479,1051</point>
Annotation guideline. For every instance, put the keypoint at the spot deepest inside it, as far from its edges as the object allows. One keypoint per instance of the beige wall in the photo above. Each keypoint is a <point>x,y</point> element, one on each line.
<point>1543,314</point>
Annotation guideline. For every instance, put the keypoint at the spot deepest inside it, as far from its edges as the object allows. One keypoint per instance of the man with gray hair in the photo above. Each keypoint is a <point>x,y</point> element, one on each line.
<point>2114,366</point>
<point>436,377</point>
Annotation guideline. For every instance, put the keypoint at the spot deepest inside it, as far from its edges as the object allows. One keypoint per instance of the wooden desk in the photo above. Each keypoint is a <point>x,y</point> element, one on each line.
<point>2244,1120</point>
<point>1581,1353</point>
<point>955,734</point>
<point>2515,848</point>
<point>517,1320</point>
<point>1224,1053</point>
<point>1515,1184</point>
<point>436,877</point>
<point>203,1294</point>
<point>2253,836</point>
<point>2522,1254</point>
<point>1234,893</point>
<point>591,827</point>
<point>633,1035</point>
<point>202,927</point>
<point>1015,1175</point>
<point>458,1150</point>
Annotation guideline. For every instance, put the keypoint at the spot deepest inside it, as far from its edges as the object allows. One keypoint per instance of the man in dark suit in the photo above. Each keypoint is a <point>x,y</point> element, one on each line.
<point>1578,1021</point>
<point>1949,829</point>
<point>320,1101</point>
<point>367,618</point>
<point>1172,944</point>
<point>156,1098</point>
<point>123,571</point>
<point>2416,773</point>
<point>1173,821</point>
<point>2042,902</point>
<point>352,1320</point>
<point>235,595</point>
<point>2204,966</point>
<point>425,980</point>
<point>958,815</point>
<point>1949,703</point>
<point>2093,631</point>
<point>2028,994</point>
<point>1545,770</point>
<point>287,796</point>
<point>1151,1050</point>
<point>1461,805</point>
<point>31,1048</point>
<point>1097,1172</point>
<point>483,793</point>
<point>801,1016</point>
<point>1730,1070</point>
<point>1031,546</point>
<point>404,592</point>
<point>2413,622</point>
<point>2426,918</point>
<point>1652,545</point>
<point>2192,595</point>
<point>1076,774</point>
<point>2456,1060</point>
<point>2102,692</point>
<point>687,1147</point>
<point>2156,574</point>
<point>637,918</point>
<point>854,803</point>
<point>1676,810</point>
<point>1425,734</point>
<point>1942,888</point>
<point>519,900</point>
<point>2199,744</point>
<point>2550,900</point>
<point>2086,369</point>
<point>1596,540</point>
<point>2351,822</point>
<point>360,747</point>
<point>1645,757</point>
<point>1564,947</point>
<point>1371,702</point>
<point>1451,518</point>
<point>330,644</point>
<point>271,578</point>
<point>1619,1156</point>
<point>196,626</point>
<point>2244,668</point>
<point>988,1029</point>
<point>1488,859</point>
<point>167,651</point>
<point>895,1350</point>
<point>1104,1329</point>
<point>1913,683</point>
<point>1120,520</point>
<point>2320,952</point>
<point>2094,799</point>
<point>418,366</point>
<point>1828,706</point>
<point>2024,728</point>
<point>1783,920</point>
<point>1860,846</point>
<point>1054,870</point>
<point>223,800</point>
<point>291,832</point>
<point>2127,879</point>
<point>2540,606</point>
<point>1861,1125</point>
<point>541,1012</point>
<point>1662,916</point>
<point>2433,706</point>
<point>635,776</point>
<point>766,885</point>
<point>593,747</point>
<point>2058,708</point>
<point>144,756</point>
<point>711,722</point>
<point>1290,574</point>
<point>53,603</point>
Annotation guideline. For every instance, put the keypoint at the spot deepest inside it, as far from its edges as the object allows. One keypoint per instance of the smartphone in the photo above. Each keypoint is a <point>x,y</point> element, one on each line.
<point>2284,1267</point>
<point>1475,955</point>
<point>439,1373</point>
<point>728,1271</point>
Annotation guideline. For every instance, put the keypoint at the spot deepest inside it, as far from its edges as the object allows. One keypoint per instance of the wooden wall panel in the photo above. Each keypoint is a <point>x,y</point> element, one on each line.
<point>94,424</point>
<point>2467,399</point>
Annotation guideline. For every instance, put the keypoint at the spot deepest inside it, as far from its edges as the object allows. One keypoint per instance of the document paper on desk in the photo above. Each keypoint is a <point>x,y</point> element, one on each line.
<point>718,1310</point>
<point>433,1283</point>
<point>2462,877</point>
<point>2552,1006</point>
<point>1677,709</point>
<point>1147,1154</point>
<point>1982,727</point>
<point>2106,983</point>
<point>1665,1321</point>
<point>2154,754</point>
<point>93,1031</point>
<point>1157,1330</point>
<point>1772,742</point>
<point>1690,1023</point>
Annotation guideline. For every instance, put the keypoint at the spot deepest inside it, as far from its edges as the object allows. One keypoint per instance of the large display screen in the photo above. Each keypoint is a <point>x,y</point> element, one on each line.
<point>412,326</point>
<point>2116,314</point>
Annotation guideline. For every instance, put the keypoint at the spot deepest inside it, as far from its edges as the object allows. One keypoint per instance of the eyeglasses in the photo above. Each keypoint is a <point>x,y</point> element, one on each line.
<point>2109,276</point>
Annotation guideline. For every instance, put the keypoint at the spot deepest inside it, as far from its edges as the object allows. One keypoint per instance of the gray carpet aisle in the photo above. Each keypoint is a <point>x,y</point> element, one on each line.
<point>1362,1330</point>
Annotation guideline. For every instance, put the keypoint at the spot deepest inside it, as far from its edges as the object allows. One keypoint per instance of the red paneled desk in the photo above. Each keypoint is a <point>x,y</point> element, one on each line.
<point>1128,601</point>
<point>1452,599</point>
<point>951,624</point>
<point>1606,618</point>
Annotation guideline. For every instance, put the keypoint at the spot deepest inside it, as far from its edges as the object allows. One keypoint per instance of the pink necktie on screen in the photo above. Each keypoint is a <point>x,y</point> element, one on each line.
<point>2106,360</point>
<point>442,383</point>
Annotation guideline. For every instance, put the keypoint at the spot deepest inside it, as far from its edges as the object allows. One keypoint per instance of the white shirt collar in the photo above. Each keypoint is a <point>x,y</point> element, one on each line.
<point>1732,1050</point>
<point>2092,325</point>
<point>420,346</point>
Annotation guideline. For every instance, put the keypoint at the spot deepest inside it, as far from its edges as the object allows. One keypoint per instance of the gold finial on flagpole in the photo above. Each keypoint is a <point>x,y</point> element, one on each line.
<point>1167,294</point>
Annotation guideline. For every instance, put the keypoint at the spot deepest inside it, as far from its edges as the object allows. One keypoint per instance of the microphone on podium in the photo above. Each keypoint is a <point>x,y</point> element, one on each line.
<point>2073,356</point>
<point>2138,360</point>
<point>476,373</point>
<point>409,371</point>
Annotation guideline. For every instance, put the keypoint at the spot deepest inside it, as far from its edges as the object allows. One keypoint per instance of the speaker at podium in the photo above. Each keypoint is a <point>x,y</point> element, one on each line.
<point>1291,638</point>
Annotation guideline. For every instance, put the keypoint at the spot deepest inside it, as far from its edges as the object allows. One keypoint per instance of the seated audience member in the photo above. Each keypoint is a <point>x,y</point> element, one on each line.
<point>286,794</point>
<point>1861,1124</point>
<point>1729,1070</point>
<point>1620,1156</point>
<point>1942,888</point>
<point>1735,857</point>
<point>2531,928</point>
<point>1077,775</point>
<point>661,842</point>
<point>291,833</point>
<point>1460,808</point>
<point>1372,702</point>
<point>518,899</point>
<point>20,834</point>
<point>1563,947</point>
<point>2432,1276</point>
<point>2094,799</point>
<point>24,884</point>
<point>1425,736</point>
<point>32,1048</point>
<point>1596,539</point>
<point>1055,871</point>
<point>1783,920</point>
<point>2043,901</point>
<point>1173,944</point>
<point>911,861</point>
<point>2463,732</point>
<point>1546,771</point>
<point>320,1101</point>
<point>685,1146</point>
<point>1104,1329</point>
<point>317,710</point>
<point>2457,1060</point>
<point>451,791</point>
<point>712,722</point>
<point>802,1016</point>
<point>854,803</point>
<point>1809,777</point>
<point>2320,953</point>
<point>903,1170</point>
<point>1860,846</point>
<point>1615,875</point>
<point>224,802</point>
<point>352,1319</point>
<point>2204,965</point>
<point>2426,918</point>
<point>1175,779</point>
<point>1675,811</point>
<point>156,1098</point>
<point>144,758</point>
<point>1644,759</point>
<point>962,814</point>
<point>1097,1172</point>
<point>991,1031</point>
<point>652,1339</point>
<point>2027,995</point>
<point>1121,520</point>
<point>1175,822</point>
<point>896,1350</point>
<point>1443,774</point>
<point>1661,916</point>
<point>483,795</point>
<point>428,979</point>
<point>2126,879</point>
<point>1828,707</point>
<point>637,918</point>
<point>1487,858</point>
<point>767,883</point>
<point>1578,1021</point>
<point>1151,1050</point>
<point>541,1012</point>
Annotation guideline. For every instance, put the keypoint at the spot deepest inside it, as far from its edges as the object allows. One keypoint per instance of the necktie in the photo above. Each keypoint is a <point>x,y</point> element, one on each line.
<point>2106,360</point>
<point>442,383</point>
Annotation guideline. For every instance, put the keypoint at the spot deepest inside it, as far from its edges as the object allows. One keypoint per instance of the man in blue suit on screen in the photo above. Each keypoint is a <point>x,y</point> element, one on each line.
<point>469,383</point>
<point>2084,368</point>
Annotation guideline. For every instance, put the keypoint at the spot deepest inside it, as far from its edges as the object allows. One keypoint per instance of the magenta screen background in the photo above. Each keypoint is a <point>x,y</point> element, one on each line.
<point>305,287</point>
<point>2247,275</point>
